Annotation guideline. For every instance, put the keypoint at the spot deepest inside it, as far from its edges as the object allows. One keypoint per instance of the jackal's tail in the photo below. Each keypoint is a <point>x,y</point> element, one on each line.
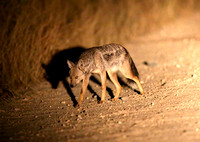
<point>133,67</point>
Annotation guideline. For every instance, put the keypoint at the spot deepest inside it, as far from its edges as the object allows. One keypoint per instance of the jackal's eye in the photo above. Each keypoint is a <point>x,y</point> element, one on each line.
<point>76,77</point>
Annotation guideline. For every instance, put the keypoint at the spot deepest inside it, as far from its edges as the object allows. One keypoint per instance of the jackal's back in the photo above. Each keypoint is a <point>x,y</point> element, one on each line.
<point>110,57</point>
<point>113,55</point>
<point>108,51</point>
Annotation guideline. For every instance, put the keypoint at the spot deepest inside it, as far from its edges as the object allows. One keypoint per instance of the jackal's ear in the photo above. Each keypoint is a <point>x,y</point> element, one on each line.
<point>70,64</point>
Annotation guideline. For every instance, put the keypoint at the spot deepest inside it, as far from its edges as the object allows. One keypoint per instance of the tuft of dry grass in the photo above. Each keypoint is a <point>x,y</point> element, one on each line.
<point>33,30</point>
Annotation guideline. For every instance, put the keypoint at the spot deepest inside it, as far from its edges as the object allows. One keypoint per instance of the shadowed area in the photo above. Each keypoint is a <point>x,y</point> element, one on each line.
<point>57,70</point>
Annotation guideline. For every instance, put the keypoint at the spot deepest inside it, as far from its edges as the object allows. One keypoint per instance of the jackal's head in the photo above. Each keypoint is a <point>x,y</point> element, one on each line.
<point>76,75</point>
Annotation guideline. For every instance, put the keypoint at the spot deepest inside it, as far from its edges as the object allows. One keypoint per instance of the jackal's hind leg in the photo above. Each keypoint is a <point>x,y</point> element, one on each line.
<point>113,78</point>
<point>128,73</point>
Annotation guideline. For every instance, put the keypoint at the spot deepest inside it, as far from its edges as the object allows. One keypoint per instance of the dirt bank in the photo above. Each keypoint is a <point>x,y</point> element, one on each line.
<point>169,65</point>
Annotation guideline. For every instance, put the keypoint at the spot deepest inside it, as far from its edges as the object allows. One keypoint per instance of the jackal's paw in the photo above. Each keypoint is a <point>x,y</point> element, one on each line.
<point>114,99</point>
<point>77,105</point>
<point>101,101</point>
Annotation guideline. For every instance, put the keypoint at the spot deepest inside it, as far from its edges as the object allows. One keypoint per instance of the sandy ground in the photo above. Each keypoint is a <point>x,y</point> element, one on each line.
<point>168,61</point>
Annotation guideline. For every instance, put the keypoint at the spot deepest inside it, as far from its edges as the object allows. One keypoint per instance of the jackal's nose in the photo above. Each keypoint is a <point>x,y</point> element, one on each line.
<point>72,85</point>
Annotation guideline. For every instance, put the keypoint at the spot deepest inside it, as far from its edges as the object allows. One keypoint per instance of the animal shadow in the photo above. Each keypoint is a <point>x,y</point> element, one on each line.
<point>57,70</point>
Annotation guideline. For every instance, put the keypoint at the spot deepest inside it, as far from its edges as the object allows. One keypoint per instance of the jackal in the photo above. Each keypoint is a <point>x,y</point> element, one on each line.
<point>108,58</point>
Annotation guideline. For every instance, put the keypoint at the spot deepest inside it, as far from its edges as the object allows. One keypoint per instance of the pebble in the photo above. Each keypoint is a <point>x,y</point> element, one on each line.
<point>119,122</point>
<point>194,75</point>
<point>148,77</point>
<point>151,64</point>
<point>68,121</point>
<point>152,104</point>
<point>178,66</point>
<point>84,111</point>
<point>25,99</point>
<point>163,81</point>
<point>17,109</point>
<point>41,126</point>
<point>63,102</point>
<point>79,117</point>
<point>102,116</point>
<point>126,98</point>
<point>63,125</point>
<point>163,84</point>
<point>124,115</point>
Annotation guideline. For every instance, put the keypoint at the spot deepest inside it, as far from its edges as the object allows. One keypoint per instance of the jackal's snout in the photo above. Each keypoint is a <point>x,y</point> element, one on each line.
<point>72,85</point>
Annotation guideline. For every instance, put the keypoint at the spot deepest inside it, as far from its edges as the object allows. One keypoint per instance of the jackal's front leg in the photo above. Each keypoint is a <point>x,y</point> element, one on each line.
<point>83,89</point>
<point>103,85</point>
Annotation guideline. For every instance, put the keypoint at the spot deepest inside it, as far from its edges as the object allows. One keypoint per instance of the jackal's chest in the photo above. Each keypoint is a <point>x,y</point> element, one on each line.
<point>98,71</point>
